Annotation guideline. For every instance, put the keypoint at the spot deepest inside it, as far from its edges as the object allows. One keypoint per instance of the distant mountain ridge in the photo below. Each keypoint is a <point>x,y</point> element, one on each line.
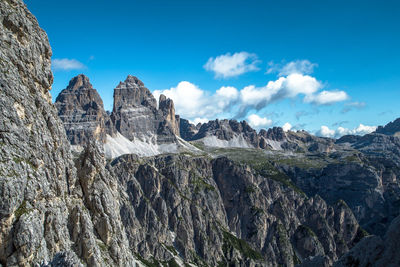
<point>137,118</point>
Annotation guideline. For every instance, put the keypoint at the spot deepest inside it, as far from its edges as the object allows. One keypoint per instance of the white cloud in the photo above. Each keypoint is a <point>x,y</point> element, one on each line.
<point>327,97</point>
<point>188,98</point>
<point>67,64</point>
<point>359,130</point>
<point>228,92</point>
<point>301,84</point>
<point>283,87</point>
<point>326,132</point>
<point>193,103</point>
<point>298,66</point>
<point>256,121</point>
<point>225,96</point>
<point>286,127</point>
<point>229,65</point>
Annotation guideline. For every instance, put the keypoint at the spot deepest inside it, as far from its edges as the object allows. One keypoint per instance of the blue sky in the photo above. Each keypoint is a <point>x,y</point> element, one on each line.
<point>337,62</point>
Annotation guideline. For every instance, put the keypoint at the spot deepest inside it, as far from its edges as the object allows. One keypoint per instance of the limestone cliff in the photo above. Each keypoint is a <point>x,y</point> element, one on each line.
<point>82,112</point>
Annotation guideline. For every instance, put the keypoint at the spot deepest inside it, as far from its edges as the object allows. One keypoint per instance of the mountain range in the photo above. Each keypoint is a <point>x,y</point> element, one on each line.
<point>140,186</point>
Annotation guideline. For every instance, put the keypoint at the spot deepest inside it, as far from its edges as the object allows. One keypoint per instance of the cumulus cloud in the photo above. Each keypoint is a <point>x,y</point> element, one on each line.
<point>67,64</point>
<point>327,97</point>
<point>198,105</point>
<point>188,98</point>
<point>257,122</point>
<point>287,127</point>
<point>360,130</point>
<point>341,131</point>
<point>326,132</point>
<point>230,65</point>
<point>192,102</point>
<point>283,87</point>
<point>297,66</point>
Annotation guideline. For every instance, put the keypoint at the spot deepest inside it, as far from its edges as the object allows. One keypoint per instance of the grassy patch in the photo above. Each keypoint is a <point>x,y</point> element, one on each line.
<point>172,249</point>
<point>251,189</point>
<point>197,260</point>
<point>231,241</point>
<point>22,209</point>
<point>172,263</point>
<point>102,246</point>
<point>20,160</point>
<point>148,263</point>
<point>308,230</point>
<point>200,184</point>
<point>361,233</point>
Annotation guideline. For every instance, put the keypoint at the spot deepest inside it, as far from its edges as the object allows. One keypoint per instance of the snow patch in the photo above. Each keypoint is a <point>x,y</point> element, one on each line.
<point>144,145</point>
<point>275,145</point>
<point>237,141</point>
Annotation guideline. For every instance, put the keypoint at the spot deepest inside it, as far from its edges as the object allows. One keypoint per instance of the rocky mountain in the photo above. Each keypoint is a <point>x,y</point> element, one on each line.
<point>226,133</point>
<point>44,218</point>
<point>374,250</point>
<point>187,130</point>
<point>241,201</point>
<point>300,141</point>
<point>231,133</point>
<point>217,212</point>
<point>135,125</point>
<point>392,128</point>
<point>82,112</point>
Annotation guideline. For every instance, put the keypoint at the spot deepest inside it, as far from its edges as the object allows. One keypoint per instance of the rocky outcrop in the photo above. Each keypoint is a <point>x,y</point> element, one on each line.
<point>357,171</point>
<point>392,128</point>
<point>82,112</point>
<point>166,106</point>
<point>301,141</point>
<point>36,167</point>
<point>217,212</point>
<point>231,133</point>
<point>135,113</point>
<point>43,219</point>
<point>226,133</point>
<point>134,126</point>
<point>187,129</point>
<point>375,251</point>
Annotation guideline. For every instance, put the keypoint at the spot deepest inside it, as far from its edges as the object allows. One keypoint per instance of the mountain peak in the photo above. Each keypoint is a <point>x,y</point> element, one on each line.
<point>133,80</point>
<point>78,82</point>
<point>392,128</point>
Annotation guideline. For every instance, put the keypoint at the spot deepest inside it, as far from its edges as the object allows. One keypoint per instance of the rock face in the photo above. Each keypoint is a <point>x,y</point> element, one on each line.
<point>357,171</point>
<point>231,133</point>
<point>134,126</point>
<point>135,113</point>
<point>226,133</point>
<point>166,106</point>
<point>43,216</point>
<point>301,141</point>
<point>375,251</point>
<point>217,212</point>
<point>81,110</point>
<point>392,128</point>
<point>188,130</point>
